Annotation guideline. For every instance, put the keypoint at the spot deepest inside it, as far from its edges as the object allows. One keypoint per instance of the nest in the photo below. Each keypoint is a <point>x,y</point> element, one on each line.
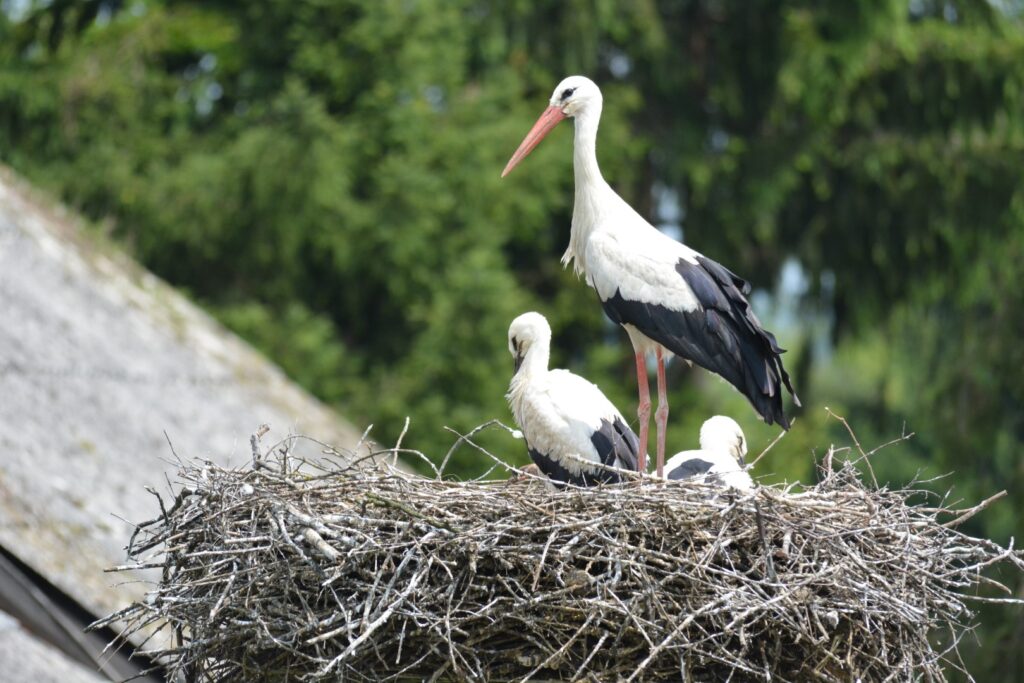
<point>281,572</point>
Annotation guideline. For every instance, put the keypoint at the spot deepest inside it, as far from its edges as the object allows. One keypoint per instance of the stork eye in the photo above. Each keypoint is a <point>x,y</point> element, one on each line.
<point>567,93</point>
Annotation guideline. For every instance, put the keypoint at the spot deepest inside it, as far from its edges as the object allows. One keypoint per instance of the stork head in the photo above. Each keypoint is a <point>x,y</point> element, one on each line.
<point>574,96</point>
<point>722,434</point>
<point>526,332</point>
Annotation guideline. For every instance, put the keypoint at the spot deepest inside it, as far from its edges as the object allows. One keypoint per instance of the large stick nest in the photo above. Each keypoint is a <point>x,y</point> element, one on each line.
<point>291,573</point>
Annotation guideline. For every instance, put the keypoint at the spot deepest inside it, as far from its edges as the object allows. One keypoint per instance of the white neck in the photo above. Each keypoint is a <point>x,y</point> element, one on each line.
<point>584,157</point>
<point>591,188</point>
<point>536,361</point>
<point>534,368</point>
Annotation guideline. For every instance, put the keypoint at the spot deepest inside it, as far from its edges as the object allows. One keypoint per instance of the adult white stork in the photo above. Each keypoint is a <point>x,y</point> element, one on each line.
<point>670,298</point>
<point>567,422</point>
<point>720,458</point>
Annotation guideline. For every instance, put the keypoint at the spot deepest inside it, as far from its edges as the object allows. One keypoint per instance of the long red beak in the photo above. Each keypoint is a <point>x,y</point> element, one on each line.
<point>548,120</point>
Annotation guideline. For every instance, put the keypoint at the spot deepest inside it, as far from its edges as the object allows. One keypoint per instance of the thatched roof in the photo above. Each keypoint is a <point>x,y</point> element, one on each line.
<point>98,360</point>
<point>285,573</point>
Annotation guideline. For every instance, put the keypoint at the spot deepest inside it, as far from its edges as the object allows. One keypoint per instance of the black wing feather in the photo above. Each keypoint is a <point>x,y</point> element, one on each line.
<point>722,335</point>
<point>693,467</point>
<point>616,444</point>
<point>554,470</point>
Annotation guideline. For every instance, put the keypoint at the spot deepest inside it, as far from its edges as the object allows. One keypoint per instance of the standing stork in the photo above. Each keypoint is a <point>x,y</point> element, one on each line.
<point>671,299</point>
<point>567,422</point>
<point>720,458</point>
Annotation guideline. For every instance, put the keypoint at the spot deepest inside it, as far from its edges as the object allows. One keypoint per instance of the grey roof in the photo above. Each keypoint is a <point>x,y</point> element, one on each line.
<point>98,359</point>
<point>24,659</point>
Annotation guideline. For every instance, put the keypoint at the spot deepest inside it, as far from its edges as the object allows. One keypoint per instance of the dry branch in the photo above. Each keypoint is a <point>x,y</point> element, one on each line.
<point>286,573</point>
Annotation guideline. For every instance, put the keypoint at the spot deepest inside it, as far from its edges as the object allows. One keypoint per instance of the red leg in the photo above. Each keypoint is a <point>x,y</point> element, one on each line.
<point>643,411</point>
<point>661,416</point>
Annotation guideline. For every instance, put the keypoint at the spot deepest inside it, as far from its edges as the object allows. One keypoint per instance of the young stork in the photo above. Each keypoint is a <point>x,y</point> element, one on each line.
<point>563,415</point>
<point>671,299</point>
<point>720,458</point>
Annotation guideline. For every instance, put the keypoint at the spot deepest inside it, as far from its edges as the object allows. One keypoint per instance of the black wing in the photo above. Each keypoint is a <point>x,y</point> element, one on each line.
<point>554,470</point>
<point>616,445</point>
<point>694,467</point>
<point>560,475</point>
<point>722,335</point>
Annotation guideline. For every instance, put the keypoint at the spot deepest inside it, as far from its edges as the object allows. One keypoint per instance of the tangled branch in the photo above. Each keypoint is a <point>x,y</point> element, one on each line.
<point>283,571</point>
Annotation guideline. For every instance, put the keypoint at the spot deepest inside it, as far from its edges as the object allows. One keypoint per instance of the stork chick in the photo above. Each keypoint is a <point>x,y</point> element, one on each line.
<point>720,458</point>
<point>570,428</point>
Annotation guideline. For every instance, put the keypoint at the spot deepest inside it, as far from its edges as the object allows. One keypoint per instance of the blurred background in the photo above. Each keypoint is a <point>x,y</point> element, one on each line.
<point>323,177</point>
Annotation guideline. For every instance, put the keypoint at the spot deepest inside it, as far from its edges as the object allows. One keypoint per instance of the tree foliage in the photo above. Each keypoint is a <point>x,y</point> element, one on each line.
<point>324,176</point>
